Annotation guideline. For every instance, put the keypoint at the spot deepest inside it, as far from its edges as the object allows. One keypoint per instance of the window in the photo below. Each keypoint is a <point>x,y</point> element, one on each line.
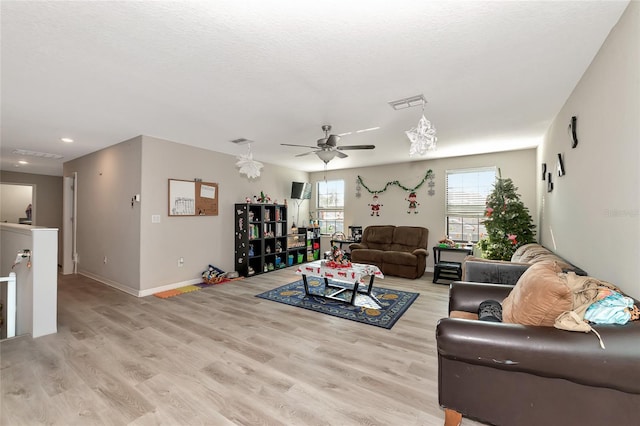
<point>466,196</point>
<point>330,205</point>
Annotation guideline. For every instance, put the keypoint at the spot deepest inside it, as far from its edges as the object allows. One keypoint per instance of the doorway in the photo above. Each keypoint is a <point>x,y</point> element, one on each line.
<point>69,212</point>
<point>18,203</point>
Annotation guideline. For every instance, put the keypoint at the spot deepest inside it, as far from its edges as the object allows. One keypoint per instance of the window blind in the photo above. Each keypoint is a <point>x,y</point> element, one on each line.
<point>467,190</point>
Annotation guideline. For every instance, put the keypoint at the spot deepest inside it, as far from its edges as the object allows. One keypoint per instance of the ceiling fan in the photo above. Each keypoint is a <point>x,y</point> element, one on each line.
<point>327,148</point>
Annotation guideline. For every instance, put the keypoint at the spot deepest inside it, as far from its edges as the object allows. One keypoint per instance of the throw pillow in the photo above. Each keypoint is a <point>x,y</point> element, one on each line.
<point>534,252</point>
<point>520,251</point>
<point>540,295</point>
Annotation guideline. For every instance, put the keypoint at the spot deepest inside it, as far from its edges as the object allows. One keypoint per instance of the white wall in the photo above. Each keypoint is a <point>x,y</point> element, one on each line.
<point>36,278</point>
<point>15,239</point>
<point>517,165</point>
<point>593,214</point>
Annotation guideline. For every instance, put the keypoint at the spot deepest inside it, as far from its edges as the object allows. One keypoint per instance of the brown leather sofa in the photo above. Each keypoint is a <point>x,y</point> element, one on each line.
<point>511,374</point>
<point>397,250</point>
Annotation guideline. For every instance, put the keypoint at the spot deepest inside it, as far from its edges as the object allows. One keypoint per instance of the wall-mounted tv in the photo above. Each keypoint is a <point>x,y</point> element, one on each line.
<point>300,191</point>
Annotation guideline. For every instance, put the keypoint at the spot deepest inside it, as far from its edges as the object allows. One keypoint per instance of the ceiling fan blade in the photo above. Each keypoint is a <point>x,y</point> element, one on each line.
<point>347,147</point>
<point>341,154</point>
<point>305,153</point>
<point>302,146</point>
<point>322,143</point>
<point>332,140</point>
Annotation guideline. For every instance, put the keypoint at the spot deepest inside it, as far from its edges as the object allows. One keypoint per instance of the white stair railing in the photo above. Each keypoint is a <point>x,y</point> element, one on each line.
<point>11,303</point>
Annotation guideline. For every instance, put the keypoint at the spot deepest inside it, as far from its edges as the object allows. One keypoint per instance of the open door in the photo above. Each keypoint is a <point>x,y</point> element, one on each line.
<point>69,214</point>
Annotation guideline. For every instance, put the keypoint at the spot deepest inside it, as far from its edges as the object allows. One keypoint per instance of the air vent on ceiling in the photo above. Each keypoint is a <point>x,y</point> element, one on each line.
<point>37,154</point>
<point>412,101</point>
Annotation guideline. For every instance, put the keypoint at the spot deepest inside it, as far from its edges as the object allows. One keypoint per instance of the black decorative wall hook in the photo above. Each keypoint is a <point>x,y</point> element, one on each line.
<point>574,135</point>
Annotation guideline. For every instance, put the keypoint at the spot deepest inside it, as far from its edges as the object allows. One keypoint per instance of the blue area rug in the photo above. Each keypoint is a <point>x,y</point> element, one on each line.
<point>393,303</point>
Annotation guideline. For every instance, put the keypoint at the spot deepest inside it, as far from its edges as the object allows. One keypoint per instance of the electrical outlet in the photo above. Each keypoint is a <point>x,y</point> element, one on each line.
<point>181,262</point>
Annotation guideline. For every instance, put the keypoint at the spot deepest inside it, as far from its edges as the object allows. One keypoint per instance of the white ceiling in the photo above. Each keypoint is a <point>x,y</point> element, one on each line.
<point>203,73</point>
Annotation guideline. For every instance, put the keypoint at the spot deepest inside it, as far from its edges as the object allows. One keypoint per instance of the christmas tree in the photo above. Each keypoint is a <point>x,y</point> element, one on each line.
<point>507,220</point>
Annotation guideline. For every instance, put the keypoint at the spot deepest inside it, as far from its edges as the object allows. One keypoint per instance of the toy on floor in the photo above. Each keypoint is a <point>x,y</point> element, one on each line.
<point>213,275</point>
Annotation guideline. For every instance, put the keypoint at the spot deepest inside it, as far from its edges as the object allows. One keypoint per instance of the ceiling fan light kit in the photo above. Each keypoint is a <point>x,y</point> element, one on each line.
<point>326,156</point>
<point>327,148</point>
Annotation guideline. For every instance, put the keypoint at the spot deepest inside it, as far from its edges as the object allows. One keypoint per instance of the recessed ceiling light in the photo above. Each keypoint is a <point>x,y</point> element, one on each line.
<point>66,140</point>
<point>23,162</point>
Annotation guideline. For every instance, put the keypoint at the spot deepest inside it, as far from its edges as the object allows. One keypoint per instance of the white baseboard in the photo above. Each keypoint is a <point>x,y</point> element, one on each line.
<point>139,293</point>
<point>150,291</point>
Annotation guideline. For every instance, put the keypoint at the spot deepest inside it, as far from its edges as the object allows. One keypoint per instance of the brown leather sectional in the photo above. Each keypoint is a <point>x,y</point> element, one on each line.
<point>512,374</point>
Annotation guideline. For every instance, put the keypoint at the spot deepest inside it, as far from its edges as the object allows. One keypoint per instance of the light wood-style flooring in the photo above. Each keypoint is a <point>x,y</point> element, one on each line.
<point>222,356</point>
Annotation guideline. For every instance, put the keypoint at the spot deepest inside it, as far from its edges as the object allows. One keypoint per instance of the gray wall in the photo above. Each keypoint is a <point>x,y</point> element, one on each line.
<point>107,226</point>
<point>48,199</point>
<point>14,199</point>
<point>142,256</point>
<point>517,165</point>
<point>593,214</point>
<point>200,240</point>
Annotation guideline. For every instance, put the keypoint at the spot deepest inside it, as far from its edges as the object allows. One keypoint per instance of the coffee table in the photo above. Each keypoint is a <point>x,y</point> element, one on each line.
<point>355,274</point>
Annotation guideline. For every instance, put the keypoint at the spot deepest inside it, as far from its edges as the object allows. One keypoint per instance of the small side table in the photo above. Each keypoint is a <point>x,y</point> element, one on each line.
<point>445,268</point>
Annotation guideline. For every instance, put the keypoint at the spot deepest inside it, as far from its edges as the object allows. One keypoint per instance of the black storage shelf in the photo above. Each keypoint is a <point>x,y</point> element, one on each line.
<point>263,227</point>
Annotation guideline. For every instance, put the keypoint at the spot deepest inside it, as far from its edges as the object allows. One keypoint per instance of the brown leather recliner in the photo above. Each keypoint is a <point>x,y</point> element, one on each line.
<point>396,250</point>
<point>510,374</point>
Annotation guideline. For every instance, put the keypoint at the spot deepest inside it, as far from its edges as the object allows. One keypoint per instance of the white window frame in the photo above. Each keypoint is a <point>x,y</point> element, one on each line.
<point>467,203</point>
<point>324,189</point>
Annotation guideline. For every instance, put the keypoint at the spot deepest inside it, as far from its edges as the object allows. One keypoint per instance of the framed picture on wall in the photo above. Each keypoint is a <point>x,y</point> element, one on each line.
<point>192,198</point>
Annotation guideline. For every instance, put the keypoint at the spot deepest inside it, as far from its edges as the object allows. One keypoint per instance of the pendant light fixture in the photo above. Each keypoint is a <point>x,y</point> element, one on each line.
<point>423,136</point>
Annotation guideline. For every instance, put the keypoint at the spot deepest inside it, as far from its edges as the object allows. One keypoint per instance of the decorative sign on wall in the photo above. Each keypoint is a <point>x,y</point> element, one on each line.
<point>560,165</point>
<point>413,203</point>
<point>192,198</point>
<point>375,206</point>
